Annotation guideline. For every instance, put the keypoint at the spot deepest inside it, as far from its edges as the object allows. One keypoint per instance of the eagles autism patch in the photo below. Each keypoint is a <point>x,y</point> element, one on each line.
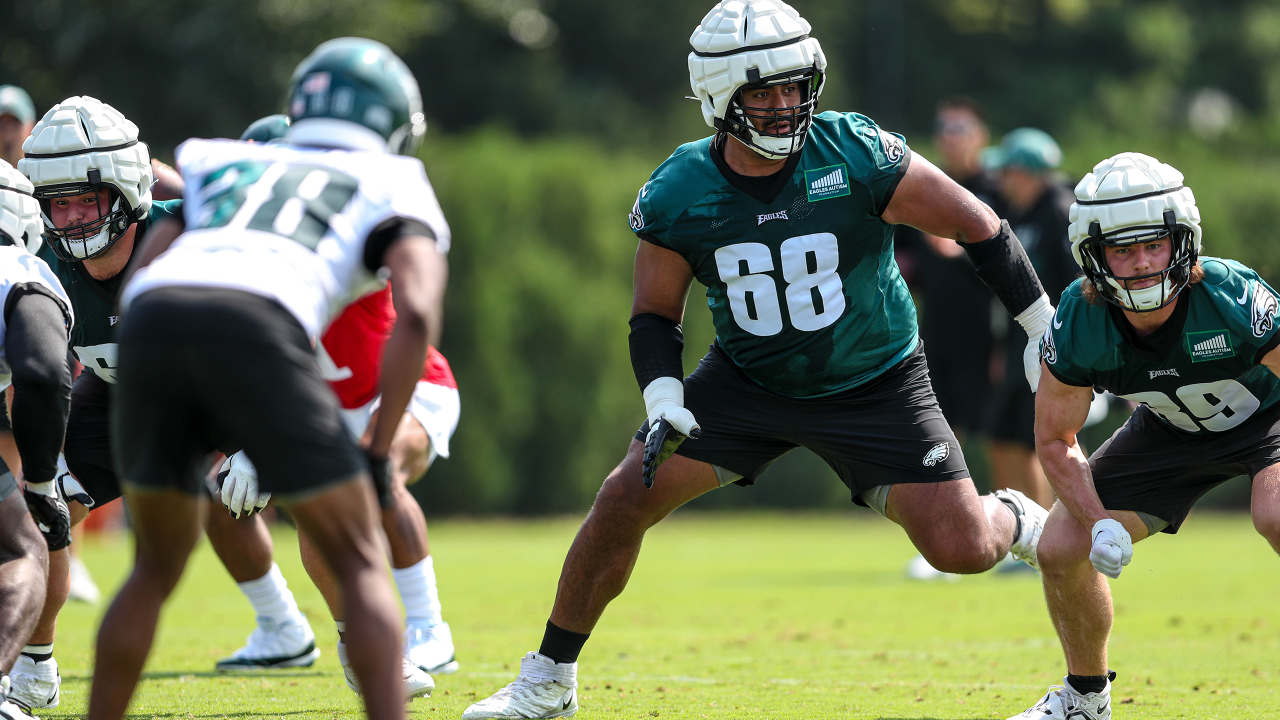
<point>1211,345</point>
<point>827,182</point>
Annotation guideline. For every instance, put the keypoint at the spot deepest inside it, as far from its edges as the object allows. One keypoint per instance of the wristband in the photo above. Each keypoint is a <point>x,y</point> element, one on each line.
<point>657,347</point>
<point>1002,264</point>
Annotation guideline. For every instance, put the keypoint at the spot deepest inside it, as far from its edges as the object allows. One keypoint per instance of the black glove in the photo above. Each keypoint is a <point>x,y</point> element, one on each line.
<point>51,515</point>
<point>380,469</point>
<point>660,444</point>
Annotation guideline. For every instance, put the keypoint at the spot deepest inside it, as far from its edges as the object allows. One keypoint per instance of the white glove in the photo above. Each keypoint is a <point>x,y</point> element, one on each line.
<point>239,480</point>
<point>1035,320</point>
<point>664,398</point>
<point>69,487</point>
<point>1112,548</point>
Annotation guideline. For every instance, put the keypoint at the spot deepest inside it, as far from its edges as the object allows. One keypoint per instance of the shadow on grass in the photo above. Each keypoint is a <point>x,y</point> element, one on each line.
<point>211,674</point>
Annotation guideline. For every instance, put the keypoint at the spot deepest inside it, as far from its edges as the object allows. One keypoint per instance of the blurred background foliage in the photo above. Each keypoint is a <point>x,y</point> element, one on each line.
<point>547,115</point>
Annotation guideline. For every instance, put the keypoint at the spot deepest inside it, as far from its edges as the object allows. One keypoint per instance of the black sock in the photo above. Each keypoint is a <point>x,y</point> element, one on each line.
<point>1085,684</point>
<point>1017,519</point>
<point>562,645</point>
<point>38,653</point>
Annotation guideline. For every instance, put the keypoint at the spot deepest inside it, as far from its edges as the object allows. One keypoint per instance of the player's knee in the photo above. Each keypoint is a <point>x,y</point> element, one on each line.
<point>159,572</point>
<point>1268,526</point>
<point>618,502</point>
<point>78,512</point>
<point>962,554</point>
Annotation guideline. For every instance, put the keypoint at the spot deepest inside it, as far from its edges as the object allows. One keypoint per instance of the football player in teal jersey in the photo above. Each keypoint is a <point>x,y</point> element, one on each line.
<point>93,179</point>
<point>1193,341</point>
<point>787,217</point>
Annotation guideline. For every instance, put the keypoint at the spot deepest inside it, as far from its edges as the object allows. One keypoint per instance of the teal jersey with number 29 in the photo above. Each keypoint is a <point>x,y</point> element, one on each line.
<point>290,223</point>
<point>805,294</point>
<point>1200,377</point>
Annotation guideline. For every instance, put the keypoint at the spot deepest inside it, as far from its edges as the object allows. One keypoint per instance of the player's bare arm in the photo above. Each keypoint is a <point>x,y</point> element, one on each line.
<point>418,277</point>
<point>662,279</point>
<point>928,200</point>
<point>1272,361</point>
<point>158,239</point>
<point>1061,410</point>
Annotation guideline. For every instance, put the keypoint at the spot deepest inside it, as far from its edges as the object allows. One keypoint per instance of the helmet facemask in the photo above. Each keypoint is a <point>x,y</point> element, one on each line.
<point>766,138</point>
<point>1115,289</point>
<point>91,239</point>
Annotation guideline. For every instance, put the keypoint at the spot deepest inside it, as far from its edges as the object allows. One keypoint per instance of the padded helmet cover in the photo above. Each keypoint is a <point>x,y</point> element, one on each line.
<point>742,41</point>
<point>1123,196</point>
<point>19,211</point>
<point>83,142</point>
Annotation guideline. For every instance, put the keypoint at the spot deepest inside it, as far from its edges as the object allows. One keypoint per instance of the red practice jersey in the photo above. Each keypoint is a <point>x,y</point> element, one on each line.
<point>354,343</point>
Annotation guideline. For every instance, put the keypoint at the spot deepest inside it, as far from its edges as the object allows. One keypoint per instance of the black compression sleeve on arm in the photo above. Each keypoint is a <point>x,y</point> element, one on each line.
<point>657,344</point>
<point>36,347</point>
<point>1003,265</point>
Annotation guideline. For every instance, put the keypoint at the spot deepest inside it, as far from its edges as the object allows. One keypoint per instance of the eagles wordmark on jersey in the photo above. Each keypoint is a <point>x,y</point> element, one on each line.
<point>1204,377</point>
<point>805,294</point>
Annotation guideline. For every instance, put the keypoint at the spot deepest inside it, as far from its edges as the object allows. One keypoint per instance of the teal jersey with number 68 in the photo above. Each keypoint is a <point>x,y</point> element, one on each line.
<point>1199,373</point>
<point>805,294</point>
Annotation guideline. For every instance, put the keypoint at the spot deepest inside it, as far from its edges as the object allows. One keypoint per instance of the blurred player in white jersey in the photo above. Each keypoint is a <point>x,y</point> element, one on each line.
<point>93,179</point>
<point>34,325</point>
<point>350,355</point>
<point>216,348</point>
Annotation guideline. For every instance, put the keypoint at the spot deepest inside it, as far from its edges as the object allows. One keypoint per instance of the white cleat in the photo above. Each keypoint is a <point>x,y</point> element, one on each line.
<point>83,588</point>
<point>545,689</point>
<point>35,685</point>
<point>1062,702</point>
<point>430,647</point>
<point>920,569</point>
<point>9,711</point>
<point>286,645</point>
<point>416,682</point>
<point>1031,519</point>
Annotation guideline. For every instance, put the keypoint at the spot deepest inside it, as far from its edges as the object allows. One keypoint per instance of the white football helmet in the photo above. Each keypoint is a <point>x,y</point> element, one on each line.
<point>82,145</point>
<point>1128,199</point>
<point>749,44</point>
<point>19,212</point>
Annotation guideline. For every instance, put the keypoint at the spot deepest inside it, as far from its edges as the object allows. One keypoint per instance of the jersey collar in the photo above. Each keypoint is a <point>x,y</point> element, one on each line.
<point>1156,346</point>
<point>765,195</point>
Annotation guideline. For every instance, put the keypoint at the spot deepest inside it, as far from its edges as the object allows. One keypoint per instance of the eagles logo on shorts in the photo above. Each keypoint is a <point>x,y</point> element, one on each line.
<point>937,454</point>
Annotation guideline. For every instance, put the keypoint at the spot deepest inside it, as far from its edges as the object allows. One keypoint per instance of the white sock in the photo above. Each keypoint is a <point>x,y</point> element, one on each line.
<point>270,596</point>
<point>417,585</point>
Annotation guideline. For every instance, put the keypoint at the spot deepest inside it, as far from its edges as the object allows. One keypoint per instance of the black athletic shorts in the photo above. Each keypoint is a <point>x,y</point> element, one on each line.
<point>887,431</point>
<point>212,368</point>
<point>87,448</point>
<point>1149,467</point>
<point>1011,415</point>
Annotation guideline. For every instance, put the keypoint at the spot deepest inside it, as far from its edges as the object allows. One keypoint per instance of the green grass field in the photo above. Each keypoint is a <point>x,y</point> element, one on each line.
<point>748,616</point>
